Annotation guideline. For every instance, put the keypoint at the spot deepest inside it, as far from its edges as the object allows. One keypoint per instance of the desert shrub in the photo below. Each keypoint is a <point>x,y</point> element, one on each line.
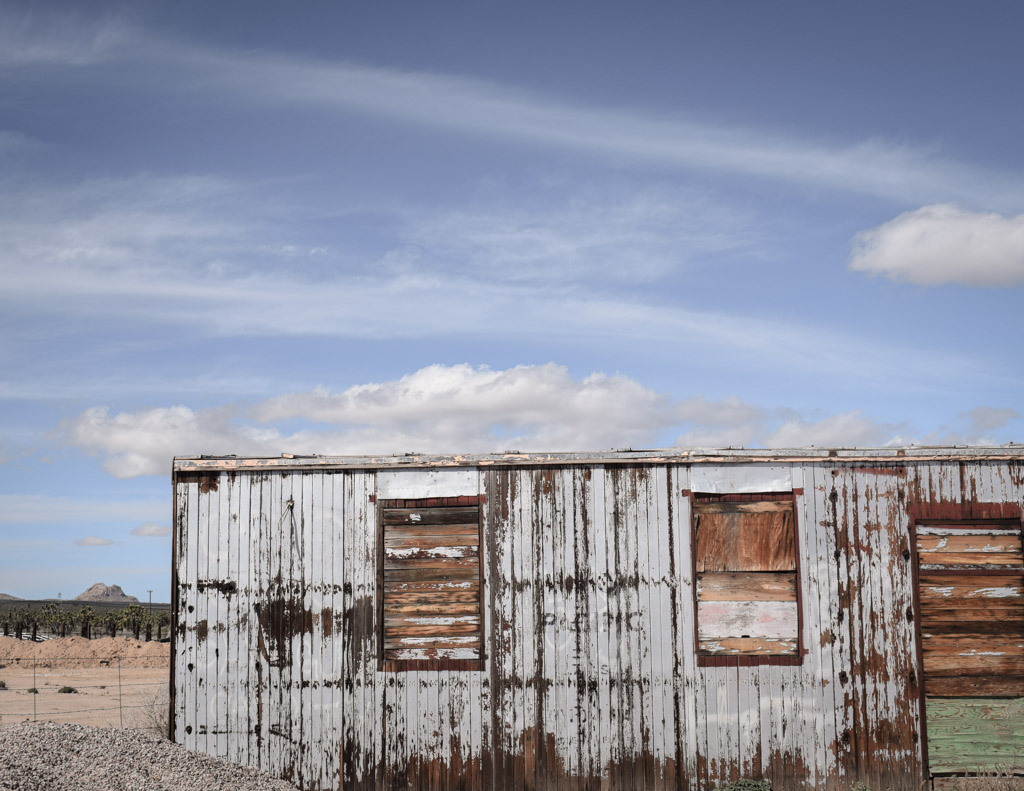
<point>67,691</point>
<point>746,784</point>
<point>33,691</point>
<point>998,779</point>
<point>3,684</point>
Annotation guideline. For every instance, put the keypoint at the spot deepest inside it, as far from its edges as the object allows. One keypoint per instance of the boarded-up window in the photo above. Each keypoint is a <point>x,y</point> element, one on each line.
<point>971,580</point>
<point>971,593</point>
<point>746,574</point>
<point>431,580</point>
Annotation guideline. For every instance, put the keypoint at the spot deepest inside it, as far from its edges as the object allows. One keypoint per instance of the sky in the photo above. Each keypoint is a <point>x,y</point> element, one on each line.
<point>350,228</point>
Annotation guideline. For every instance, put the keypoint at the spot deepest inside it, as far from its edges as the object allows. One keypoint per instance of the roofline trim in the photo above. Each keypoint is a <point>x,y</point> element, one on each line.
<point>1010,452</point>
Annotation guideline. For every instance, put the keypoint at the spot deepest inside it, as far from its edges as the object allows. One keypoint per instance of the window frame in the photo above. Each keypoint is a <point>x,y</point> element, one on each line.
<point>705,659</point>
<point>405,665</point>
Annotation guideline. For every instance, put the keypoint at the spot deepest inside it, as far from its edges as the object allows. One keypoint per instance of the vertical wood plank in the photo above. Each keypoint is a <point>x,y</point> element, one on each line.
<point>221,623</point>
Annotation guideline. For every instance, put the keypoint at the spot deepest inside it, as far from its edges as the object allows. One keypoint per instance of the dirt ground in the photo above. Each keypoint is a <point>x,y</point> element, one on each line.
<point>120,682</point>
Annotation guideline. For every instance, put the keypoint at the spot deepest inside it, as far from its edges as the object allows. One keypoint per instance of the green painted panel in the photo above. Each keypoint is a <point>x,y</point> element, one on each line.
<point>975,734</point>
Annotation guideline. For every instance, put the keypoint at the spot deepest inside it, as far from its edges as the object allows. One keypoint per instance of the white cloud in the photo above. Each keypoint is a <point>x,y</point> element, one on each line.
<point>849,429</point>
<point>944,244</point>
<point>37,509</point>
<point>460,408</point>
<point>93,541</point>
<point>987,418</point>
<point>746,426</point>
<point>152,529</point>
<point>436,409</point>
<point>143,443</point>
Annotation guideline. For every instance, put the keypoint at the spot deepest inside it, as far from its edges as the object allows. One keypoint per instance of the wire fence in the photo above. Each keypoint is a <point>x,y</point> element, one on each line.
<point>124,692</point>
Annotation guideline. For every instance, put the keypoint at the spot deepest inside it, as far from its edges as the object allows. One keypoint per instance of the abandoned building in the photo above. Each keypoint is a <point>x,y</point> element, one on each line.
<point>623,620</point>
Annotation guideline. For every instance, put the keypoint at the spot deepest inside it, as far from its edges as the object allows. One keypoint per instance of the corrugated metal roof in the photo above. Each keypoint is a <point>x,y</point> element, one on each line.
<point>1012,452</point>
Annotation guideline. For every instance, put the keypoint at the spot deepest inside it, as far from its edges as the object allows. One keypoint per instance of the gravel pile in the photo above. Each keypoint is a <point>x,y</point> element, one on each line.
<point>45,756</point>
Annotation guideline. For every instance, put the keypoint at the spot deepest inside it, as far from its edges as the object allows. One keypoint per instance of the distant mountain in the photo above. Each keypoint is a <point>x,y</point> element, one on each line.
<point>8,597</point>
<point>101,592</point>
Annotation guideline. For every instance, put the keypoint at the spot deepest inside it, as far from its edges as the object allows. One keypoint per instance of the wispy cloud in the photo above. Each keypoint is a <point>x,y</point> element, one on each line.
<point>38,509</point>
<point>944,244</point>
<point>190,253</point>
<point>901,172</point>
<point>93,541</point>
<point>987,418</point>
<point>872,166</point>
<point>152,529</point>
<point>32,38</point>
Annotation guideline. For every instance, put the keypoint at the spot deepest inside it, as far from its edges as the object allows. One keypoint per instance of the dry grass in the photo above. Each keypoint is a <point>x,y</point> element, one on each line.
<point>153,716</point>
<point>984,781</point>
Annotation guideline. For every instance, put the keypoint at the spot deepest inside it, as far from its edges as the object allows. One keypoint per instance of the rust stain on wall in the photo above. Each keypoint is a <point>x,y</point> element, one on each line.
<point>281,619</point>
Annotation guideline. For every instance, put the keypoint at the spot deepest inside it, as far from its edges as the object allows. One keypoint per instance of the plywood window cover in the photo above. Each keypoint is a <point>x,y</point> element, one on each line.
<point>707,502</point>
<point>399,665</point>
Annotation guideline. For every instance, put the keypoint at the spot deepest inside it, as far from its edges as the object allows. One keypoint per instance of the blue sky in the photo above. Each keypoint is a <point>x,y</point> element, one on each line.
<point>391,227</point>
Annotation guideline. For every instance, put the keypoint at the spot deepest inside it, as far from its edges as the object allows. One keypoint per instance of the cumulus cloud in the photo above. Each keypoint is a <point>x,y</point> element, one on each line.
<point>152,529</point>
<point>456,409</point>
<point>144,442</point>
<point>93,541</point>
<point>944,244</point>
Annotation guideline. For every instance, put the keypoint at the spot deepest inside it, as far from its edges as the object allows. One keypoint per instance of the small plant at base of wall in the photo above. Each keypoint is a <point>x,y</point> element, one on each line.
<point>745,784</point>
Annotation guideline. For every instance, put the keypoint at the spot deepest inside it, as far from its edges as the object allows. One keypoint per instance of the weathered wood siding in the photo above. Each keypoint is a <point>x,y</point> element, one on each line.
<point>590,677</point>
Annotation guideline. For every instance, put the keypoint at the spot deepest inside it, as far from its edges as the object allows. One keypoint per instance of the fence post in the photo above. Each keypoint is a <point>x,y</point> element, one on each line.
<point>120,704</point>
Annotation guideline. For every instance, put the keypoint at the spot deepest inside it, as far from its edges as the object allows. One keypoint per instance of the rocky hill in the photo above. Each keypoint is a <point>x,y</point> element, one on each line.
<point>8,597</point>
<point>101,592</point>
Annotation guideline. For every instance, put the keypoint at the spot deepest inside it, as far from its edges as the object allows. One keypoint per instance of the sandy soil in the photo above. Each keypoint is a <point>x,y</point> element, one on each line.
<point>120,681</point>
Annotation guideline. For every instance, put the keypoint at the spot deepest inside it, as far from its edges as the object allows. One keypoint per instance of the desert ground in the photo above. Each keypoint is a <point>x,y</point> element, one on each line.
<point>120,682</point>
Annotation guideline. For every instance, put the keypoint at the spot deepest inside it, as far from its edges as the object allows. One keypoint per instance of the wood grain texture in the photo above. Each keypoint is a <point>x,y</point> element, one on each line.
<point>742,586</point>
<point>771,619</point>
<point>742,541</point>
<point>975,734</point>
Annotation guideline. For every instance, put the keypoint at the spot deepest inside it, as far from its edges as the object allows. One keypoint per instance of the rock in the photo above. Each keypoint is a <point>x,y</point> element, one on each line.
<point>101,592</point>
<point>38,756</point>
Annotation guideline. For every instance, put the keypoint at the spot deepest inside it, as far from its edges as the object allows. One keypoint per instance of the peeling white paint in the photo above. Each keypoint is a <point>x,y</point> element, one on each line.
<point>427,640</point>
<point>438,552</point>
<point>996,593</point>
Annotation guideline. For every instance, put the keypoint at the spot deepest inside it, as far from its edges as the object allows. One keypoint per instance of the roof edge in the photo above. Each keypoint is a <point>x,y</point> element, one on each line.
<point>1011,452</point>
